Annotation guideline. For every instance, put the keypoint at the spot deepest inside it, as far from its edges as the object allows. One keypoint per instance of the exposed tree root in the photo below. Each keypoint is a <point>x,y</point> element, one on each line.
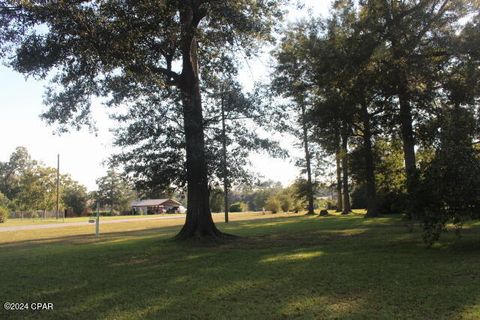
<point>206,235</point>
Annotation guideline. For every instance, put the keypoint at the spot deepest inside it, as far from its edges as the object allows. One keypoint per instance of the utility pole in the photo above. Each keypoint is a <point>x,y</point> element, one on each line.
<point>224,151</point>
<point>58,186</point>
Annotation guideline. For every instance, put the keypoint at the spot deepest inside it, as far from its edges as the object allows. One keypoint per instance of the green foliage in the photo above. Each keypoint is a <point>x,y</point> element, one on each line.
<point>255,196</point>
<point>38,187</point>
<point>258,199</point>
<point>326,204</point>
<point>376,72</point>
<point>389,176</point>
<point>81,58</point>
<point>286,202</point>
<point>216,200</point>
<point>299,190</point>
<point>238,207</point>
<point>33,186</point>
<point>144,56</point>
<point>74,196</point>
<point>11,172</point>
<point>449,189</point>
<point>114,191</point>
<point>291,198</point>
<point>273,204</point>
<point>106,213</point>
<point>4,201</point>
<point>294,197</point>
<point>3,214</point>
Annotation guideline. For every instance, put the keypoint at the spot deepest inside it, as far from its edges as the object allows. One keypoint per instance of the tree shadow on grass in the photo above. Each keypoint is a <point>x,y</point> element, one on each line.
<point>91,238</point>
<point>343,269</point>
<point>81,236</point>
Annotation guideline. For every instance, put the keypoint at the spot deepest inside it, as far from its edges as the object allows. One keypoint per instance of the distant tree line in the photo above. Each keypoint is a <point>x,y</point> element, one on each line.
<point>28,185</point>
<point>271,196</point>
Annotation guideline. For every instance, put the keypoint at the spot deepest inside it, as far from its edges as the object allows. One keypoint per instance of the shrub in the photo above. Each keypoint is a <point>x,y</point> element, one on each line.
<point>299,206</point>
<point>273,204</point>
<point>321,203</point>
<point>106,213</point>
<point>3,214</point>
<point>4,202</point>
<point>330,205</point>
<point>286,202</point>
<point>238,207</point>
<point>449,189</point>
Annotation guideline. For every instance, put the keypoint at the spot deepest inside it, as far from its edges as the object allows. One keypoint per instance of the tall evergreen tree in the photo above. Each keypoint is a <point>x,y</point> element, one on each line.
<point>291,80</point>
<point>415,35</point>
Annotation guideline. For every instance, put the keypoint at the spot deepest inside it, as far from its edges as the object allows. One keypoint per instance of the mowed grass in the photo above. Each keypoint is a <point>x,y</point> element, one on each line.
<point>282,268</point>
<point>38,221</point>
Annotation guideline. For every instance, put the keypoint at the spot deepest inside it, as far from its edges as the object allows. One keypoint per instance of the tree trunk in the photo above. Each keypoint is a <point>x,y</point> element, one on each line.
<point>199,222</point>
<point>224,154</point>
<point>308,163</point>
<point>346,194</point>
<point>338,160</point>
<point>372,210</point>
<point>408,139</point>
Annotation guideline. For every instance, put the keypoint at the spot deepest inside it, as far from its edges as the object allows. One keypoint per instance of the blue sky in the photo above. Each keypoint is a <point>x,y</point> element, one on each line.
<point>82,153</point>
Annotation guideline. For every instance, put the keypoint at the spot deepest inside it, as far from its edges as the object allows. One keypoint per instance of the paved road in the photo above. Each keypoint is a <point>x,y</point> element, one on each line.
<point>74,224</point>
<point>83,223</point>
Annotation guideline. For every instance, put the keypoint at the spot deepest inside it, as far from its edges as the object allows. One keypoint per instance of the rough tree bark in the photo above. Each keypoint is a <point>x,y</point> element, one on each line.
<point>408,140</point>
<point>308,162</point>
<point>346,194</point>
<point>224,154</point>
<point>372,210</point>
<point>339,175</point>
<point>199,222</point>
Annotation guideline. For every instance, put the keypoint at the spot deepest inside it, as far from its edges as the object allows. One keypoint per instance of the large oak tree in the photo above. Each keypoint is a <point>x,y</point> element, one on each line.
<point>118,49</point>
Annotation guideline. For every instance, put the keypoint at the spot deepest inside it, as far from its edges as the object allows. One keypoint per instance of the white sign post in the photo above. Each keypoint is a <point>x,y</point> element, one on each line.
<point>97,223</point>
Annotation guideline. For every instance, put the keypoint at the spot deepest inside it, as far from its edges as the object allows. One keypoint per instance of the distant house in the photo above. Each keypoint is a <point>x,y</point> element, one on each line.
<point>155,206</point>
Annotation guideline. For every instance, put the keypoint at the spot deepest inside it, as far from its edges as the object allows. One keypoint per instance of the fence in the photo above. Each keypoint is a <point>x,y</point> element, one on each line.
<point>38,214</point>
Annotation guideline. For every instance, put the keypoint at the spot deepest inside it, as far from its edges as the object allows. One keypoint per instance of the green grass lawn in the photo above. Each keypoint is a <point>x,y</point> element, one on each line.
<point>37,221</point>
<point>282,268</point>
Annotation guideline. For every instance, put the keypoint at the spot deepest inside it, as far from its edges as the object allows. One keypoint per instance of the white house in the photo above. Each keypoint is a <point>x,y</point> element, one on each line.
<point>155,206</point>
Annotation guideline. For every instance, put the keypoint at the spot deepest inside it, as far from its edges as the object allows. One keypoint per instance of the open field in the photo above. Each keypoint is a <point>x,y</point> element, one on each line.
<point>23,222</point>
<point>52,232</point>
<point>283,267</point>
<point>27,222</point>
